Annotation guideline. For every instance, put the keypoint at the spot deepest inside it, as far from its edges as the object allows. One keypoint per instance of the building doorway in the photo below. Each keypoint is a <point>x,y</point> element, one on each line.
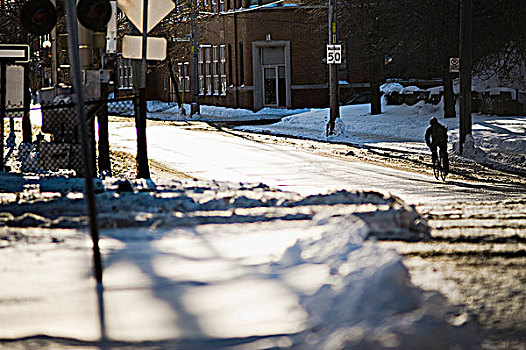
<point>271,74</point>
<point>274,86</point>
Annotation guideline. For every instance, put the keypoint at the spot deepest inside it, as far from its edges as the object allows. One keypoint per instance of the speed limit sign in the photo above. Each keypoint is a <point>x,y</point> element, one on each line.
<point>334,54</point>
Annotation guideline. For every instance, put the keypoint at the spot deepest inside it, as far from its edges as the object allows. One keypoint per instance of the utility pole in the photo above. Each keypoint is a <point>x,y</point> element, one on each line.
<point>76,75</point>
<point>333,71</point>
<point>3,85</point>
<point>194,107</point>
<point>54,53</point>
<point>466,37</point>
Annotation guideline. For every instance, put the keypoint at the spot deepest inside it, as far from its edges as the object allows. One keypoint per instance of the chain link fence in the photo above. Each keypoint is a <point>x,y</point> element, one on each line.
<point>45,138</point>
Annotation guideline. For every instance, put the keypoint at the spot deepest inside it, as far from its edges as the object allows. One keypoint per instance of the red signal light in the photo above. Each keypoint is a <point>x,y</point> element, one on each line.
<point>94,14</point>
<point>38,16</point>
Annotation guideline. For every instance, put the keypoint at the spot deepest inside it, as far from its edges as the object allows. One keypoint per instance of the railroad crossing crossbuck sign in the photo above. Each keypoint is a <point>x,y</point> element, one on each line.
<point>157,10</point>
<point>334,54</point>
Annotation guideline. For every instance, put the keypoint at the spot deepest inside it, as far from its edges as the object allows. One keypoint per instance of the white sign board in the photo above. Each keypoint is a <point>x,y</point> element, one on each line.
<point>157,10</point>
<point>334,54</point>
<point>454,65</point>
<point>132,48</point>
<point>14,53</point>
<point>14,86</point>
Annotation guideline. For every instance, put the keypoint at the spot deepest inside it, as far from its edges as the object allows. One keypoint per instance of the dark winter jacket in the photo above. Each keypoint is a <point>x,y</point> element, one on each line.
<point>436,135</point>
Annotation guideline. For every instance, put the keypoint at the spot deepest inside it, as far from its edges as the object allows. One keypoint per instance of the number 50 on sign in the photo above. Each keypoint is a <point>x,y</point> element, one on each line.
<point>334,54</point>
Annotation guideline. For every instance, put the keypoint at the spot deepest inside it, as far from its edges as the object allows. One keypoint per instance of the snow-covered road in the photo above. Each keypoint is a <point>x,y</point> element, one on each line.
<point>223,157</point>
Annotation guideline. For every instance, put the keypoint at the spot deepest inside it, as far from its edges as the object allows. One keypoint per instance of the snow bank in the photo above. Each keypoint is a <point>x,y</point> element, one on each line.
<point>219,262</point>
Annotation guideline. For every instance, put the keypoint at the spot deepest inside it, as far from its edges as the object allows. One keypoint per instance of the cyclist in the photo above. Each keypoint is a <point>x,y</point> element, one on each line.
<point>436,137</point>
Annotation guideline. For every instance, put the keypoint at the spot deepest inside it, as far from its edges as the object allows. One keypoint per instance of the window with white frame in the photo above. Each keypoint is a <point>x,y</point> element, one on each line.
<point>215,70</point>
<point>180,76</point>
<point>200,68</point>
<point>208,69</point>
<point>222,69</point>
<point>221,5</point>
<point>186,74</point>
<point>125,74</point>
<point>213,6</point>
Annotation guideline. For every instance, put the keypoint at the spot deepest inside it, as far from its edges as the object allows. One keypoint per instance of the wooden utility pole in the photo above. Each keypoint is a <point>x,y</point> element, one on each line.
<point>466,44</point>
<point>333,71</point>
<point>194,107</point>
<point>76,76</point>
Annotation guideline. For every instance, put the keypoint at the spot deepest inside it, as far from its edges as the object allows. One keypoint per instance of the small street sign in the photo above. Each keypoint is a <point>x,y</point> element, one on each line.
<point>155,48</point>
<point>14,53</point>
<point>157,10</point>
<point>334,54</point>
<point>454,65</point>
<point>14,86</point>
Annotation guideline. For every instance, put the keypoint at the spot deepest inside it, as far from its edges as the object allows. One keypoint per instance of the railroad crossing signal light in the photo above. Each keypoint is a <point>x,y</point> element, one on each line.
<point>94,14</point>
<point>38,16</point>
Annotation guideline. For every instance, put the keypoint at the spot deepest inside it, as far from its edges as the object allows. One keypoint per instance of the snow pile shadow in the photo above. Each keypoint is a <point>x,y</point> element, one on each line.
<point>141,203</point>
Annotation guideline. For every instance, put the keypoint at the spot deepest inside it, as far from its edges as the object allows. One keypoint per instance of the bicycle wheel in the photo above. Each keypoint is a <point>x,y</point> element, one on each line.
<point>436,168</point>
<point>443,164</point>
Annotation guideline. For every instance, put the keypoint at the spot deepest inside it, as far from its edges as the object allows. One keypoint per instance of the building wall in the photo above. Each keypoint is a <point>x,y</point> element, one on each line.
<point>304,35</point>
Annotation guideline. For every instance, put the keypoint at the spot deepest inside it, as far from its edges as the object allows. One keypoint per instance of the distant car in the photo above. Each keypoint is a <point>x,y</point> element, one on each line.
<point>359,98</point>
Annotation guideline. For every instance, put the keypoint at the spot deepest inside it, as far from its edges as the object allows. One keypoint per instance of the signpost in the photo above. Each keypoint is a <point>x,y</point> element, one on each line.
<point>144,15</point>
<point>334,57</point>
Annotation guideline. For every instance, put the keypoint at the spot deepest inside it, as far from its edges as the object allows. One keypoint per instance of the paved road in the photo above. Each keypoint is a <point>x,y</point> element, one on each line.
<point>479,227</point>
<point>222,156</point>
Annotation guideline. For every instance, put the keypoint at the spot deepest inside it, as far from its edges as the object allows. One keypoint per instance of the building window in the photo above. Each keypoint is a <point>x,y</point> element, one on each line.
<point>180,76</point>
<point>222,69</point>
<point>241,65</point>
<point>186,74</point>
<point>221,5</point>
<point>213,5</point>
<point>125,74</point>
<point>215,70</point>
<point>165,82</point>
<point>230,68</point>
<point>200,68</point>
<point>183,76</point>
<point>208,69</point>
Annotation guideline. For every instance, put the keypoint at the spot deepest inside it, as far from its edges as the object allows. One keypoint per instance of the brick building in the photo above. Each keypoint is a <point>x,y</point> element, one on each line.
<point>257,56</point>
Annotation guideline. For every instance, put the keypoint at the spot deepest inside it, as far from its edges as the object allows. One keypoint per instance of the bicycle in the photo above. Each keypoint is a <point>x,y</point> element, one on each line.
<point>441,165</point>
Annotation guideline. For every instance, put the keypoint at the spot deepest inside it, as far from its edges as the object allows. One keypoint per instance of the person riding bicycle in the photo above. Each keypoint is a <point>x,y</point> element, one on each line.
<point>436,137</point>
